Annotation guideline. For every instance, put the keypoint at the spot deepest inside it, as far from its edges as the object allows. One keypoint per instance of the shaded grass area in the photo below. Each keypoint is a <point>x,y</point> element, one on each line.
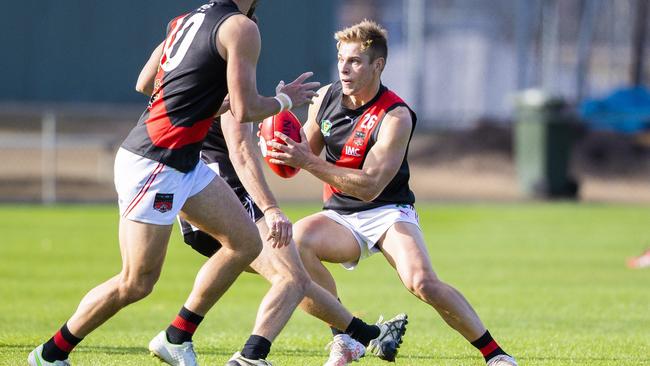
<point>548,280</point>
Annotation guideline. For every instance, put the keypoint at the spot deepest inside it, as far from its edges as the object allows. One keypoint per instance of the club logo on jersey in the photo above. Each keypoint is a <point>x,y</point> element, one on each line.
<point>359,138</point>
<point>325,127</point>
<point>352,151</point>
<point>163,202</point>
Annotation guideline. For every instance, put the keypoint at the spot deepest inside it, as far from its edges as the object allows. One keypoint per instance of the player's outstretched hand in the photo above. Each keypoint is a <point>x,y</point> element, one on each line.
<point>280,228</point>
<point>299,91</point>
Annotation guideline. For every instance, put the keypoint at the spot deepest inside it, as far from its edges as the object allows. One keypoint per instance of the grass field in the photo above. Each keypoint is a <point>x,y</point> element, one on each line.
<point>549,281</point>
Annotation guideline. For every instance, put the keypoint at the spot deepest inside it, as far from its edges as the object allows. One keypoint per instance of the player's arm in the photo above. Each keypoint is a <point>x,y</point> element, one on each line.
<point>145,83</point>
<point>381,164</point>
<point>238,42</point>
<point>245,157</point>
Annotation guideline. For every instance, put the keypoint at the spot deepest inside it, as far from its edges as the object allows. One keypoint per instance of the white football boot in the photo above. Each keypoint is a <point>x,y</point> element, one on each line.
<point>386,345</point>
<point>238,360</point>
<point>35,358</point>
<point>172,354</point>
<point>344,350</point>
<point>502,360</point>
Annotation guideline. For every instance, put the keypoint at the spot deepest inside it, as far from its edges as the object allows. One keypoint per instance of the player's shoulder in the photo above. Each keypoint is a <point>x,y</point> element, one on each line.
<point>323,90</point>
<point>400,111</point>
<point>318,101</point>
<point>175,20</point>
<point>239,25</point>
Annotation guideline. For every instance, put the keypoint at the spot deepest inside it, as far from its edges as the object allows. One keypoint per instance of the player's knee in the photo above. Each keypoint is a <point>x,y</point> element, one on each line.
<point>252,248</point>
<point>426,287</point>
<point>305,242</point>
<point>296,281</point>
<point>301,281</point>
<point>136,288</point>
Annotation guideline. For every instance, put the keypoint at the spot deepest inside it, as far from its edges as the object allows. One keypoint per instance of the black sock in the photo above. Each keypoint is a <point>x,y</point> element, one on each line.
<point>60,346</point>
<point>336,331</point>
<point>361,331</point>
<point>183,327</point>
<point>256,347</point>
<point>488,346</point>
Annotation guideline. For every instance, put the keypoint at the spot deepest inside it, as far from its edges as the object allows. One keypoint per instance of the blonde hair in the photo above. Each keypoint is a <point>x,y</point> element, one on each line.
<point>372,37</point>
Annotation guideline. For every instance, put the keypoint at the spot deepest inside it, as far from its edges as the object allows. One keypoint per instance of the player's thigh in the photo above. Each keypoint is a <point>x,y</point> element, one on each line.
<point>143,247</point>
<point>404,247</point>
<point>329,240</point>
<point>217,211</point>
<point>272,262</point>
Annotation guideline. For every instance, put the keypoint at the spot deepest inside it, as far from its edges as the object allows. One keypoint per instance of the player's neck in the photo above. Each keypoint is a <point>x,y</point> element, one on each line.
<point>365,95</point>
<point>244,5</point>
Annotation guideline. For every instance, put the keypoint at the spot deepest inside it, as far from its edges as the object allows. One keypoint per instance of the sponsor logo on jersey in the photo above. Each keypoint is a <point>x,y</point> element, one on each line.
<point>163,202</point>
<point>352,151</point>
<point>359,138</point>
<point>325,127</point>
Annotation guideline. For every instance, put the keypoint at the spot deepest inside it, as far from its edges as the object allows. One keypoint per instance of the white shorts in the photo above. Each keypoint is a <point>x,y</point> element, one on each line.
<point>151,192</point>
<point>369,226</point>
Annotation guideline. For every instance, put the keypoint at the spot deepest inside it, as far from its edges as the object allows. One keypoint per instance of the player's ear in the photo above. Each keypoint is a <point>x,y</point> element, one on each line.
<point>379,64</point>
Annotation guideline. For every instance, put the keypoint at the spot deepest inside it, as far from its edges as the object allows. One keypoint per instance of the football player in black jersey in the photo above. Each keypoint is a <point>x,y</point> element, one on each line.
<point>230,150</point>
<point>365,130</point>
<point>208,53</point>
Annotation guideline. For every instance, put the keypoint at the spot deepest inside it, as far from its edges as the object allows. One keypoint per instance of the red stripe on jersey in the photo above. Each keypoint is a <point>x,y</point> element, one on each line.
<point>355,149</point>
<point>61,343</point>
<point>174,27</point>
<point>184,325</point>
<point>159,127</point>
<point>164,134</point>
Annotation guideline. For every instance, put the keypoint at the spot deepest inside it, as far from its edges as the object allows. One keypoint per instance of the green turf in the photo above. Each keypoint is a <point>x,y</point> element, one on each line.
<point>548,279</point>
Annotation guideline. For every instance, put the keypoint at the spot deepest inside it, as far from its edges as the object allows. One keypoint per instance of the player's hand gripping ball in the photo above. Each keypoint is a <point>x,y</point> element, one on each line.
<point>287,123</point>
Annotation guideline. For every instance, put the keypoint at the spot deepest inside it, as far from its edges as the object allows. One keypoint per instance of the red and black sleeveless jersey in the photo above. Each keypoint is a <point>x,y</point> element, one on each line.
<point>349,134</point>
<point>189,88</point>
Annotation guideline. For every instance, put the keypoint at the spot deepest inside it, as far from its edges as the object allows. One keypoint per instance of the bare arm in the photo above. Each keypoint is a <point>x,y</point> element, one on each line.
<point>245,157</point>
<point>145,83</point>
<point>238,42</point>
<point>312,126</point>
<point>381,164</point>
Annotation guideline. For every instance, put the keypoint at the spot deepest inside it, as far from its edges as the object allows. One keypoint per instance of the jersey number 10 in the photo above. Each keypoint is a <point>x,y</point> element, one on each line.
<point>183,32</point>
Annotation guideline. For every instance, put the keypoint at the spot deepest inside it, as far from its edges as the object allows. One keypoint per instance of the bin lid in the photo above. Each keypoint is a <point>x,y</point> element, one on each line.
<point>537,98</point>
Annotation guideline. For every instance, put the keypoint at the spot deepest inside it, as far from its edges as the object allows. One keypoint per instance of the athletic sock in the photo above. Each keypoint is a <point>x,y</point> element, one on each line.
<point>361,331</point>
<point>183,327</point>
<point>488,346</point>
<point>60,346</point>
<point>256,347</point>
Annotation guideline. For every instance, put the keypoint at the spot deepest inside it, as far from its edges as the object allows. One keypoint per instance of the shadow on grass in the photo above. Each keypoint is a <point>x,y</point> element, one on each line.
<point>125,350</point>
<point>219,351</point>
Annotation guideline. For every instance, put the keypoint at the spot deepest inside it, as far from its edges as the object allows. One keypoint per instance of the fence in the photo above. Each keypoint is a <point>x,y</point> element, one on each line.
<point>58,153</point>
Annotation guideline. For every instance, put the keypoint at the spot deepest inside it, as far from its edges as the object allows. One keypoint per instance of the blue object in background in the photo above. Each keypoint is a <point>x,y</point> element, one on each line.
<point>625,110</point>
